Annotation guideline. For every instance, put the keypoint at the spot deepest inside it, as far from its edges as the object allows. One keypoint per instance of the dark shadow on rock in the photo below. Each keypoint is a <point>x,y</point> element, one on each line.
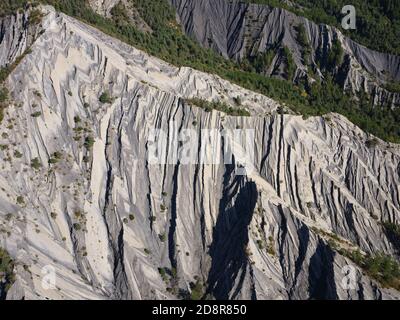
<point>230,236</point>
<point>304,238</point>
<point>394,238</point>
<point>321,277</point>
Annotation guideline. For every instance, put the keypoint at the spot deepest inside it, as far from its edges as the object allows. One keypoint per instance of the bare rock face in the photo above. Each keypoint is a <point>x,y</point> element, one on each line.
<point>103,7</point>
<point>88,207</point>
<point>237,29</point>
<point>17,33</point>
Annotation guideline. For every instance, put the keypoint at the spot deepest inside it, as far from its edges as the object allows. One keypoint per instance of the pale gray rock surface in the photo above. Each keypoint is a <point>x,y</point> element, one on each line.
<point>309,174</point>
<point>17,34</point>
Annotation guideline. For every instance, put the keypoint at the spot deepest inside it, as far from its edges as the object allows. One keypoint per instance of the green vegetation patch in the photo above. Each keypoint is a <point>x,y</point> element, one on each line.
<point>383,268</point>
<point>36,164</point>
<point>89,142</point>
<point>197,290</point>
<point>219,106</point>
<point>392,87</point>
<point>36,114</point>
<point>302,39</point>
<point>6,273</point>
<point>335,55</point>
<point>20,200</point>
<point>105,98</point>
<point>3,94</point>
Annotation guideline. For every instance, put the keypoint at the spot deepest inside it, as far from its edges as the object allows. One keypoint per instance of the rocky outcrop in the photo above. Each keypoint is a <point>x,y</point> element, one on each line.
<point>103,7</point>
<point>238,30</point>
<point>17,33</point>
<point>130,13</point>
<point>88,206</point>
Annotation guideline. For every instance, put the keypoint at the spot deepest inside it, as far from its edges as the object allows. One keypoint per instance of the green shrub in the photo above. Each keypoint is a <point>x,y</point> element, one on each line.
<point>36,114</point>
<point>290,65</point>
<point>105,98</point>
<point>162,272</point>
<point>335,55</point>
<point>53,161</point>
<point>174,273</point>
<point>197,291</point>
<point>89,142</point>
<point>35,164</point>
<point>57,155</point>
<point>20,200</point>
<point>262,61</point>
<point>17,154</point>
<point>302,39</point>
<point>3,94</point>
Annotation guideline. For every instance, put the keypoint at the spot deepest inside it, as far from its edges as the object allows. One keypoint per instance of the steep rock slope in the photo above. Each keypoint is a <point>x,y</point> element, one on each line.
<point>238,30</point>
<point>17,33</point>
<point>85,200</point>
